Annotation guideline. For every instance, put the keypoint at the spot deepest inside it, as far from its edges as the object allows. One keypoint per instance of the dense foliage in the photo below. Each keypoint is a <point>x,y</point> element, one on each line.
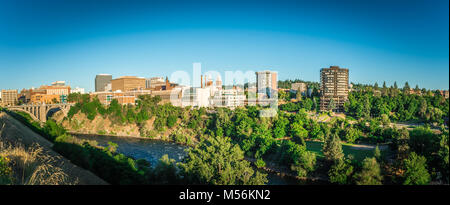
<point>217,161</point>
<point>420,153</point>
<point>369,102</point>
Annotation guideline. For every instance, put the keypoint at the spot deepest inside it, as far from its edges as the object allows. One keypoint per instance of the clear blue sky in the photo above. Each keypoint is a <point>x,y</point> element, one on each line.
<point>44,41</point>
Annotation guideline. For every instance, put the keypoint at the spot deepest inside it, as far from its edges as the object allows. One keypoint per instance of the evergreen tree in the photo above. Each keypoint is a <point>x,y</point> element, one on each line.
<point>332,148</point>
<point>370,173</point>
<point>417,89</point>
<point>377,153</point>
<point>403,144</point>
<point>217,161</point>
<point>406,88</point>
<point>416,172</point>
<point>340,172</point>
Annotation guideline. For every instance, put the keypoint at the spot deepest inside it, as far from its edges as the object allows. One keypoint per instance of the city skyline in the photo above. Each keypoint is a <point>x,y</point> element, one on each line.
<point>378,41</point>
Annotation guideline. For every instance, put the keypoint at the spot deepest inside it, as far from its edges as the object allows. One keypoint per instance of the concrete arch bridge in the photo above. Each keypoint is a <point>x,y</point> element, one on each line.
<point>41,112</point>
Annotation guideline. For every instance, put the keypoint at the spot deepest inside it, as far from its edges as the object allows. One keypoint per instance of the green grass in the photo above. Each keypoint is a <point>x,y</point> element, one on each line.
<point>358,154</point>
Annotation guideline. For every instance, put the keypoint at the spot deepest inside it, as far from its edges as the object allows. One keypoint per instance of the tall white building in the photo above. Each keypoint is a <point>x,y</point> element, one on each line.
<point>195,97</point>
<point>266,83</point>
<point>228,98</point>
<point>211,94</point>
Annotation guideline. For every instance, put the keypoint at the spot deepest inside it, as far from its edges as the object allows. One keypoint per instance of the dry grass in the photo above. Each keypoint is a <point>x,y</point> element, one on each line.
<point>32,167</point>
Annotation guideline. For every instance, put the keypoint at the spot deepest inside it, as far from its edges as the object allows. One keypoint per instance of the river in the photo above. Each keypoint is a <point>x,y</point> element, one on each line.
<point>153,150</point>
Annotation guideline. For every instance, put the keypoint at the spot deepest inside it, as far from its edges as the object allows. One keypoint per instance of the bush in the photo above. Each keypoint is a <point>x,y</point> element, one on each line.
<point>5,171</point>
<point>260,163</point>
<point>416,172</point>
<point>171,120</point>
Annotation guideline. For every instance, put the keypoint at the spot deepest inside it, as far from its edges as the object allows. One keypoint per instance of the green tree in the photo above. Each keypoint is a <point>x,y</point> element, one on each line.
<point>406,88</point>
<point>377,153</point>
<point>403,144</point>
<point>171,120</point>
<point>332,148</point>
<point>299,133</point>
<point>279,130</point>
<point>165,172</point>
<point>340,172</point>
<point>416,172</point>
<point>370,173</point>
<point>217,161</point>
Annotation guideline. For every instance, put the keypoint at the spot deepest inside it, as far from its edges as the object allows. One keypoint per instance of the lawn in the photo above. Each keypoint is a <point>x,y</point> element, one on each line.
<point>358,154</point>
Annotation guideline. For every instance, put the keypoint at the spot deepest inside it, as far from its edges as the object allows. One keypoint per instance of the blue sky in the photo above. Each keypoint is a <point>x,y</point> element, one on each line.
<point>378,40</point>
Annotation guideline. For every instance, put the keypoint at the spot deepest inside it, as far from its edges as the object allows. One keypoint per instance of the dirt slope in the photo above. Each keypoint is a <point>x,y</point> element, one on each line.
<point>14,132</point>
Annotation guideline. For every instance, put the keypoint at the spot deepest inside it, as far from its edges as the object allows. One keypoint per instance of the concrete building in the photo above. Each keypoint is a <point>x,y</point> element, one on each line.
<point>230,98</point>
<point>151,83</point>
<point>108,87</point>
<point>446,94</point>
<point>158,84</point>
<point>219,82</point>
<point>172,96</point>
<point>56,90</point>
<point>59,83</point>
<point>128,83</point>
<point>101,80</point>
<point>25,94</point>
<point>9,97</point>
<point>299,87</point>
<point>266,83</point>
<point>45,98</point>
<point>334,88</point>
<point>77,90</point>
<point>122,98</point>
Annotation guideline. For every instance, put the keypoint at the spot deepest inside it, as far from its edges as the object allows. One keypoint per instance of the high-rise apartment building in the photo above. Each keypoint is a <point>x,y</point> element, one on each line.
<point>266,83</point>
<point>9,97</point>
<point>333,88</point>
<point>101,81</point>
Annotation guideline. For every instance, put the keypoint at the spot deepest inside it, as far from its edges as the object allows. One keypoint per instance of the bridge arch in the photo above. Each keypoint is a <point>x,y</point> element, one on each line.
<point>50,108</point>
<point>25,111</point>
<point>40,112</point>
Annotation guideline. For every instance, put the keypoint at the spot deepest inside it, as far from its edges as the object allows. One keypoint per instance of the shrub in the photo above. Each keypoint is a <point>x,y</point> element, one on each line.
<point>5,171</point>
<point>260,163</point>
<point>171,120</point>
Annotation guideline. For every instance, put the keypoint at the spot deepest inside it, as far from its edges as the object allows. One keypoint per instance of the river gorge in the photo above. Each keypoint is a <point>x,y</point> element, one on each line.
<point>152,150</point>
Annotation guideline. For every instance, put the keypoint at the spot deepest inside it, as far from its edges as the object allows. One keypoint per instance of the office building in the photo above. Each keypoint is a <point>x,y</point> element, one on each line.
<point>56,90</point>
<point>266,84</point>
<point>128,83</point>
<point>59,83</point>
<point>151,83</point>
<point>333,88</point>
<point>230,98</point>
<point>45,98</point>
<point>9,97</point>
<point>101,81</point>
<point>299,87</point>
<point>77,90</point>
